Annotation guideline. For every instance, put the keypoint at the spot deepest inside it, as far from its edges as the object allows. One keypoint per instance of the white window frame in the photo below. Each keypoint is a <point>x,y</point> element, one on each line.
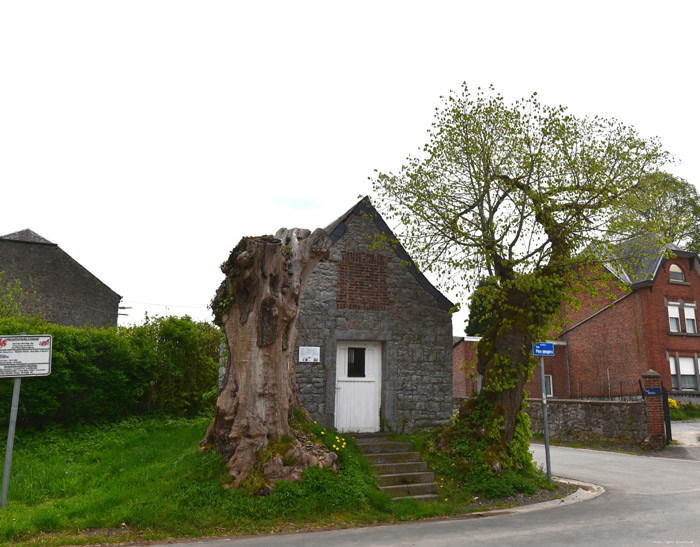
<point>676,269</point>
<point>674,313</point>
<point>690,323</point>
<point>674,376</point>
<point>688,380</point>
<point>548,385</point>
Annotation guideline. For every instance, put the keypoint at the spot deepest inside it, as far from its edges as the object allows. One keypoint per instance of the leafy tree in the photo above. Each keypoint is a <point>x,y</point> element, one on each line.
<point>661,204</point>
<point>518,193</point>
<point>15,300</point>
<point>480,312</point>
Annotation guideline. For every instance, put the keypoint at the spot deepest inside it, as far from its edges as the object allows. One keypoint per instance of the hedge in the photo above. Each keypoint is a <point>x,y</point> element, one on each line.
<point>167,365</point>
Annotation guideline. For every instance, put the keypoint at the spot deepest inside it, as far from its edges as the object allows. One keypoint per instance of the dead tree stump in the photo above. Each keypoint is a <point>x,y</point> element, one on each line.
<point>257,307</point>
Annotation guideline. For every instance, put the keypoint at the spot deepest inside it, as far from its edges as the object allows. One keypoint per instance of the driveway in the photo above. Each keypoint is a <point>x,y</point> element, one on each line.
<point>686,437</point>
<point>648,501</point>
<point>686,433</point>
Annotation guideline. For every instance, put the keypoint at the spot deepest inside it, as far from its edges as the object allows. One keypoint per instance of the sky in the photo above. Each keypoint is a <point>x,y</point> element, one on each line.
<point>146,138</point>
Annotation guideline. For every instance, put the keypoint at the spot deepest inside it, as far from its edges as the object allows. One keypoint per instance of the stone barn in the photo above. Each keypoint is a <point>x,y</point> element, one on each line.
<point>68,293</point>
<point>374,351</point>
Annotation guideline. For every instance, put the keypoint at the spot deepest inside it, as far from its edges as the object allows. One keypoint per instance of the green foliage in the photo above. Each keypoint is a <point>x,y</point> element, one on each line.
<point>15,300</point>
<point>481,309</point>
<point>684,411</point>
<point>661,204</point>
<point>465,453</point>
<point>523,195</point>
<point>166,365</point>
<point>183,358</point>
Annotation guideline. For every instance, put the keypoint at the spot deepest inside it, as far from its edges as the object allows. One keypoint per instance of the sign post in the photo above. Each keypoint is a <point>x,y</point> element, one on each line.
<point>543,349</point>
<point>20,356</point>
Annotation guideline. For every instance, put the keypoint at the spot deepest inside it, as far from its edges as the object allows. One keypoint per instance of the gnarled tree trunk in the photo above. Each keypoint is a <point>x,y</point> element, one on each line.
<point>257,307</point>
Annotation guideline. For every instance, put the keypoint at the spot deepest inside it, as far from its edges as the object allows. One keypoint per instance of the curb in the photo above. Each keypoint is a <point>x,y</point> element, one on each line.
<point>586,491</point>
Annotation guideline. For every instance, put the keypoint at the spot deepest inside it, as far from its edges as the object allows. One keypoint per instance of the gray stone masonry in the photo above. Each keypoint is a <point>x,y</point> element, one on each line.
<point>415,333</point>
<point>575,419</point>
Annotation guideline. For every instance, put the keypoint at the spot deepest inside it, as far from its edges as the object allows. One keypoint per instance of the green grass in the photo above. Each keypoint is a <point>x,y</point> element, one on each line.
<point>683,413</point>
<point>145,479</point>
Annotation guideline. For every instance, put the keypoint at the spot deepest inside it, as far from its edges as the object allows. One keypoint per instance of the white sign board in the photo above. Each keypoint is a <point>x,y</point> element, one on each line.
<point>25,355</point>
<point>309,354</point>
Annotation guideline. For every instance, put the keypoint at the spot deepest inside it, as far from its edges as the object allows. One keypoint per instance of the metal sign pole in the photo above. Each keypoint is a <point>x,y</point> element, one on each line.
<point>10,442</point>
<point>546,425</point>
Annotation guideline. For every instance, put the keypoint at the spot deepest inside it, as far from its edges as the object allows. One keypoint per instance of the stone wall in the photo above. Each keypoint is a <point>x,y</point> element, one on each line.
<point>68,293</point>
<point>370,295</point>
<point>581,420</point>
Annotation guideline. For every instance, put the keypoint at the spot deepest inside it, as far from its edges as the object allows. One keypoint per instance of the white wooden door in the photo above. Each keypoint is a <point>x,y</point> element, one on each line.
<point>358,386</point>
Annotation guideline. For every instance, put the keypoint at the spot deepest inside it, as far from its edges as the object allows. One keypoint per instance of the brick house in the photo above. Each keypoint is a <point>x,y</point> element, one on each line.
<point>68,293</point>
<point>374,336</point>
<point>607,345</point>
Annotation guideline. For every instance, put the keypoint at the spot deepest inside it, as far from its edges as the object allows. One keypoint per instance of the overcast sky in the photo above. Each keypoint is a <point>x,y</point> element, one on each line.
<point>147,137</point>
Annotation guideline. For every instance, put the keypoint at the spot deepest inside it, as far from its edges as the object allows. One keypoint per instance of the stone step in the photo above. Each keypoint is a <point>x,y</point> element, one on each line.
<point>401,471</point>
<point>383,447</point>
<point>409,490</point>
<point>394,479</point>
<point>393,457</point>
<point>398,468</point>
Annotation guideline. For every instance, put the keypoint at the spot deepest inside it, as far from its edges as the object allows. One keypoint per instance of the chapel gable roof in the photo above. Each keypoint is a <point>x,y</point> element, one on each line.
<point>364,207</point>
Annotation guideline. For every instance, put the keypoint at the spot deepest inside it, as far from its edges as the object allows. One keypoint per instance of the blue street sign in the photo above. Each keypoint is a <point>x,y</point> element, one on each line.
<point>652,391</point>
<point>545,349</point>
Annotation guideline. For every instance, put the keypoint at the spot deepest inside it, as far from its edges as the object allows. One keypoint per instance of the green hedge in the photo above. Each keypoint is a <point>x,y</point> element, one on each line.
<point>167,365</point>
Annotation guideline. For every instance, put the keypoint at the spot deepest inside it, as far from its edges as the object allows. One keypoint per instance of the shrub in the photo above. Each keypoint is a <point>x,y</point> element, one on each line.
<point>167,365</point>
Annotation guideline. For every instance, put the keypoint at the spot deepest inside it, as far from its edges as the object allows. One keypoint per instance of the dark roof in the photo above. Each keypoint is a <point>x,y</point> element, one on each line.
<point>26,236</point>
<point>364,207</point>
<point>639,259</point>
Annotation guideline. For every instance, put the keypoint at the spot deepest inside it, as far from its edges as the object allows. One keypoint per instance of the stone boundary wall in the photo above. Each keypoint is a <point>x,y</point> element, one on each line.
<point>582,420</point>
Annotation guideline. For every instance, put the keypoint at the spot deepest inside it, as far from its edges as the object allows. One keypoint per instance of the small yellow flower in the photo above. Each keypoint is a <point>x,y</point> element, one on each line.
<point>323,432</point>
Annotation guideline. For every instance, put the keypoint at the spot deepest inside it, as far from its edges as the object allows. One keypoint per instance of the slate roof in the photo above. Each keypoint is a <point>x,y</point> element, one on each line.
<point>364,207</point>
<point>26,236</point>
<point>639,259</point>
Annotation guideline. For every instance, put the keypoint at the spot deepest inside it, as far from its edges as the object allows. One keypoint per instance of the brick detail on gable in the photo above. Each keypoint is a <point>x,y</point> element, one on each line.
<point>362,281</point>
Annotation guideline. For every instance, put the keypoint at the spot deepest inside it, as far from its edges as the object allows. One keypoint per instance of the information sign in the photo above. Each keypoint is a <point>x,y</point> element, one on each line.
<point>309,354</point>
<point>23,355</point>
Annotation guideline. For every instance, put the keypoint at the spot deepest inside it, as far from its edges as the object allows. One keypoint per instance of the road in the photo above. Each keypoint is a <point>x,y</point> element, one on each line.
<point>648,501</point>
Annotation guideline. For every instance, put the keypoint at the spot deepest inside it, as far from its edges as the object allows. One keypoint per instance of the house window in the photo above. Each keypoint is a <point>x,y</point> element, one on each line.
<point>548,385</point>
<point>676,273</point>
<point>689,313</point>
<point>674,317</point>
<point>356,362</point>
<point>674,375</point>
<point>687,370</point>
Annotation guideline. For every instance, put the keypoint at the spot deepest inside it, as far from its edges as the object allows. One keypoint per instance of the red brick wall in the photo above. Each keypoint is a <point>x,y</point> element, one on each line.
<point>362,281</point>
<point>464,375</point>
<point>464,368</point>
<point>589,304</point>
<point>656,324</point>
<point>611,341</point>
<point>556,366</point>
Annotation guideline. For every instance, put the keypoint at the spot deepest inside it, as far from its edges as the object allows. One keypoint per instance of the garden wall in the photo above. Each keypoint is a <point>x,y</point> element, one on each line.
<point>582,420</point>
<point>578,420</point>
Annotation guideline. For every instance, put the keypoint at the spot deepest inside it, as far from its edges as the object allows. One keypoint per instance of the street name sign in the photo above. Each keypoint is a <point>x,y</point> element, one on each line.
<point>545,349</point>
<point>25,355</point>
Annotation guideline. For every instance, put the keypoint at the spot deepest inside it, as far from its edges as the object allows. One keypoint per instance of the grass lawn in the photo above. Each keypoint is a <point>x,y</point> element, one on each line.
<point>145,479</point>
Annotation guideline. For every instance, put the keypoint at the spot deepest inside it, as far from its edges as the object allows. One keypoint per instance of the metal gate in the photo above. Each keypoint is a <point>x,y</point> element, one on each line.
<point>667,414</point>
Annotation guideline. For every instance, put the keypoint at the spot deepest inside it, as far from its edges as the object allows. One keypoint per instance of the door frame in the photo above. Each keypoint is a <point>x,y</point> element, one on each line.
<point>342,378</point>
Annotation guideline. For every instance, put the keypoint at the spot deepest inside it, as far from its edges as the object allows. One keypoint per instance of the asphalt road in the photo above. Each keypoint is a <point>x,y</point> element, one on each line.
<point>647,501</point>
